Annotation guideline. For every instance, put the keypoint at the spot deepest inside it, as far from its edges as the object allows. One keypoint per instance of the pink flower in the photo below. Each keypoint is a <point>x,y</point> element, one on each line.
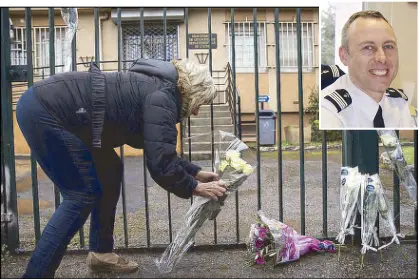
<point>259,259</point>
<point>259,243</point>
<point>262,232</point>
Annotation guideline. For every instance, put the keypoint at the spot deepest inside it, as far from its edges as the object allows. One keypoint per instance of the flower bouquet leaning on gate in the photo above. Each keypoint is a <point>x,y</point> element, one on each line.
<point>350,180</point>
<point>395,153</point>
<point>373,201</point>
<point>273,241</point>
<point>233,170</point>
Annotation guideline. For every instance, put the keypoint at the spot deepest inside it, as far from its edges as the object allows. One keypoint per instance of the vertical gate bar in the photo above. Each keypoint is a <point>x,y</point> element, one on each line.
<point>301,110</point>
<point>210,69</point>
<point>187,57</point>
<point>169,209</point>
<point>164,34</point>
<point>233,67</point>
<point>396,197</point>
<point>212,109</point>
<point>7,137</point>
<point>279,115</point>
<point>377,220</point>
<point>255,48</point>
<point>324,182</point>
<point>74,69</point>
<point>238,92</point>
<point>96,22</point>
<point>415,135</point>
<point>181,124</point>
<point>147,213</point>
<point>288,45</point>
<point>51,26</point>
<point>121,148</point>
<point>34,166</point>
<point>240,114</point>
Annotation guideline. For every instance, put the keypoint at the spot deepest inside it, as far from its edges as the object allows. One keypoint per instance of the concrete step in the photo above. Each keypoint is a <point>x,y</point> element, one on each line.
<point>207,121</point>
<point>207,114</point>
<point>207,108</point>
<point>199,155</point>
<point>202,146</point>
<point>249,138</point>
<point>195,130</point>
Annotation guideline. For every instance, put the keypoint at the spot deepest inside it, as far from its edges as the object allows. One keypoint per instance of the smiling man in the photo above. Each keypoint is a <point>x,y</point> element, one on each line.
<point>362,98</point>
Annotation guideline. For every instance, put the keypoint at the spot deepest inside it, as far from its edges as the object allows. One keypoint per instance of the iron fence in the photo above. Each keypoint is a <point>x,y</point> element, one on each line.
<point>160,40</point>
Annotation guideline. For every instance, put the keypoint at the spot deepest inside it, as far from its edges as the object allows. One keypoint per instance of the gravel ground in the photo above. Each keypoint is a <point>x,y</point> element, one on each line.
<point>226,223</point>
<point>233,264</point>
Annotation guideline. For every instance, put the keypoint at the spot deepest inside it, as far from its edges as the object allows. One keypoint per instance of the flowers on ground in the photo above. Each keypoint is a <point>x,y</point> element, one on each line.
<point>273,241</point>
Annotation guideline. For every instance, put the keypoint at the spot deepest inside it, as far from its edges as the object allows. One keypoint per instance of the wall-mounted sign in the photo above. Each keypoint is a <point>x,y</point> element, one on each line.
<point>200,41</point>
<point>264,99</point>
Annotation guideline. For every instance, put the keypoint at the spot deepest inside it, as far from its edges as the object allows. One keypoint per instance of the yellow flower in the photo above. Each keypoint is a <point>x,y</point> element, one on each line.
<point>232,154</point>
<point>223,165</point>
<point>238,163</point>
<point>247,169</point>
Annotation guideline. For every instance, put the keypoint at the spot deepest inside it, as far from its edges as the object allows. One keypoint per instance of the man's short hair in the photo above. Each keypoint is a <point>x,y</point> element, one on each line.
<point>362,14</point>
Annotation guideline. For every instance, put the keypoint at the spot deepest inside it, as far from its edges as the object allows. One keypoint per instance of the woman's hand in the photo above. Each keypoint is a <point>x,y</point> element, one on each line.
<point>211,190</point>
<point>205,176</point>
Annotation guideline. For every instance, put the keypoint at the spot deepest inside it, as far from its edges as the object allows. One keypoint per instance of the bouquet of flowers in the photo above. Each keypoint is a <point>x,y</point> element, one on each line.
<point>350,180</point>
<point>70,17</point>
<point>395,153</point>
<point>233,170</point>
<point>272,240</point>
<point>385,211</point>
<point>369,212</point>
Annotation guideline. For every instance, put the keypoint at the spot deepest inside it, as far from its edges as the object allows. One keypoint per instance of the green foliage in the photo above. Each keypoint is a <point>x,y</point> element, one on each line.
<point>4,252</point>
<point>313,110</point>
<point>328,36</point>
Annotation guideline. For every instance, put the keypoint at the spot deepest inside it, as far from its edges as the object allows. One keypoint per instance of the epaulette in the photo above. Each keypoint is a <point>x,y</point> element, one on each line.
<point>396,93</point>
<point>329,74</point>
<point>340,98</point>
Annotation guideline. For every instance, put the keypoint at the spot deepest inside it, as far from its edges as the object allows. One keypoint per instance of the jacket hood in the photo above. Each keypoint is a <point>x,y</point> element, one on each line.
<point>152,67</point>
<point>162,69</point>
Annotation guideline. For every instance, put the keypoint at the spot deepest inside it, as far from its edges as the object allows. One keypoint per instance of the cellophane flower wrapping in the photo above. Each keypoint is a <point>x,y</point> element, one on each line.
<point>271,240</point>
<point>369,212</point>
<point>350,183</point>
<point>385,211</point>
<point>230,164</point>
<point>394,150</point>
<point>71,19</point>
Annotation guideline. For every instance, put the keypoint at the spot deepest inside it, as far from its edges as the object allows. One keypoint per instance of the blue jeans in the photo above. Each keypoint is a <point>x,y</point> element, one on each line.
<point>89,181</point>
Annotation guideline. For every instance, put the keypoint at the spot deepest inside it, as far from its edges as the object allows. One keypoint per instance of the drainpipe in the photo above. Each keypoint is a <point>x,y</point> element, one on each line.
<point>106,16</point>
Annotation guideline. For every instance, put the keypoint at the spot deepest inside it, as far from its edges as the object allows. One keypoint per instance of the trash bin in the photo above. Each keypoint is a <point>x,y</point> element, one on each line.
<point>267,127</point>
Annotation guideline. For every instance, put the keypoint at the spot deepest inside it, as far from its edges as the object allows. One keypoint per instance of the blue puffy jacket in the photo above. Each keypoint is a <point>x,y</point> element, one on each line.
<point>140,108</point>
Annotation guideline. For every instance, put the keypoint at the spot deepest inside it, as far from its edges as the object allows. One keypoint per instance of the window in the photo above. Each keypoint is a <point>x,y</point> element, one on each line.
<point>153,42</point>
<point>40,49</point>
<point>244,46</point>
<point>288,46</point>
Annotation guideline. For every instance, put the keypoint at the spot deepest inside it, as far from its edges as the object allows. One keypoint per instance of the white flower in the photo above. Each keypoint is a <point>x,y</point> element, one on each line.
<point>388,139</point>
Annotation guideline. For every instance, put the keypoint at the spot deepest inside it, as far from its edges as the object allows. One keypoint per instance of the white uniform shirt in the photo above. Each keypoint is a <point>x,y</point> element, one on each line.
<point>343,105</point>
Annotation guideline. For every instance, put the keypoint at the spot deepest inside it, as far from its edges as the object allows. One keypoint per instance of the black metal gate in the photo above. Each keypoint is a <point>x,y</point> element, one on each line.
<point>160,40</point>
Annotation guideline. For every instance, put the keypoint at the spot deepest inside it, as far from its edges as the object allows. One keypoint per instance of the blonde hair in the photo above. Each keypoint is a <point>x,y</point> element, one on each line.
<point>195,85</point>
